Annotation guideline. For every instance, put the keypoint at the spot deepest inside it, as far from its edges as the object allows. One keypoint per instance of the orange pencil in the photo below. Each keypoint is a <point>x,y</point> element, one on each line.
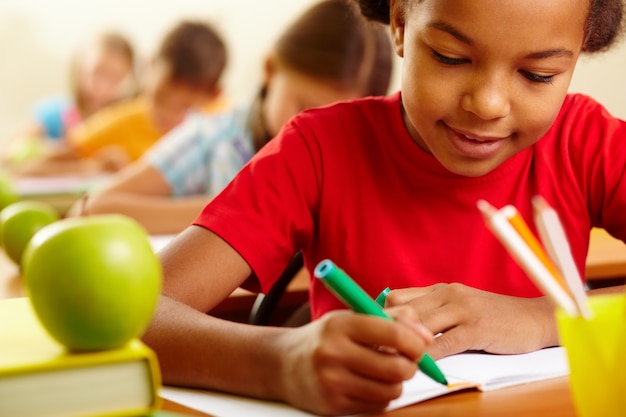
<point>518,223</point>
<point>502,228</point>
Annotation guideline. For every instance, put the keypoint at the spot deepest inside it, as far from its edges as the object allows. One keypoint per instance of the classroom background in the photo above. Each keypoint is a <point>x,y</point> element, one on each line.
<point>38,37</point>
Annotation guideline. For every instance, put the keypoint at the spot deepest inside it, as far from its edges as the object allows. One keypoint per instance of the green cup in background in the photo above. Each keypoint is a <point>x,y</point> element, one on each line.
<point>596,351</point>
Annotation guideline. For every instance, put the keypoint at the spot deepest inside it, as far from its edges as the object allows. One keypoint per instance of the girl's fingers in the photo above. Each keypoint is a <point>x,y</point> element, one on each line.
<point>404,335</point>
<point>406,295</point>
<point>381,365</point>
<point>449,343</point>
<point>351,390</point>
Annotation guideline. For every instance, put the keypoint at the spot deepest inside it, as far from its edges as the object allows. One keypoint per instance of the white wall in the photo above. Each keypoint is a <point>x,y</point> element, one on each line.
<point>37,38</point>
<point>603,76</point>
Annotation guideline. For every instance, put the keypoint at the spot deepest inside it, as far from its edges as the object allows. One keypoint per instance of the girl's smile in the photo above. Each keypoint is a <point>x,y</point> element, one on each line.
<point>477,146</point>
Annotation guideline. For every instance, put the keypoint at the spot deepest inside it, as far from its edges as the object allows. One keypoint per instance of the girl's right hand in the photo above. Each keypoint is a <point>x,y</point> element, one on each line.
<point>348,363</point>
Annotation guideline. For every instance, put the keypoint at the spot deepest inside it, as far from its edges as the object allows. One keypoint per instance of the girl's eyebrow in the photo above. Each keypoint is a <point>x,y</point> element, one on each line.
<point>444,27</point>
<point>549,53</point>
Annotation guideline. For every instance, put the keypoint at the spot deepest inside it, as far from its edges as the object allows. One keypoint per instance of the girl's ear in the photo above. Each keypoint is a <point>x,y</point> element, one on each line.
<point>269,68</point>
<point>396,22</point>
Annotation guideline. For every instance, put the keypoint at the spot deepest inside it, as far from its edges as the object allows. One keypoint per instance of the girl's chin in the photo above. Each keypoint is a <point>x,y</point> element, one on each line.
<point>470,168</point>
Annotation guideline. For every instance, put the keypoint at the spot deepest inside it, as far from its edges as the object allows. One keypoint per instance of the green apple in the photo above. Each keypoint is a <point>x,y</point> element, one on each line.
<point>93,281</point>
<point>26,149</point>
<point>19,222</point>
<point>8,195</point>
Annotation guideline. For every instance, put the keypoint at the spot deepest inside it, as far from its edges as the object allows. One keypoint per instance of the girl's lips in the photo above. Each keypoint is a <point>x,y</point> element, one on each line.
<point>476,146</point>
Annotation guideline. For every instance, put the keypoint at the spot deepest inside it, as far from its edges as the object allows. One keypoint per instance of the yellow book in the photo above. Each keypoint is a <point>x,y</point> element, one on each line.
<point>39,377</point>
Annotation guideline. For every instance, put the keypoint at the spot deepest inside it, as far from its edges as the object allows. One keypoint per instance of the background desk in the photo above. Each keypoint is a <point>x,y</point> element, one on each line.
<point>236,307</point>
<point>606,260</point>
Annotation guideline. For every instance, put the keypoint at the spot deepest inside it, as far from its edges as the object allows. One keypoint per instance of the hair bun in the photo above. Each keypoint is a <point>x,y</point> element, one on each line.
<point>377,10</point>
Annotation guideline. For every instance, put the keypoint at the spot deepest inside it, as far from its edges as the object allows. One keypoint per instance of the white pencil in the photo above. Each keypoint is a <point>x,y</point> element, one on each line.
<point>526,258</point>
<point>521,228</point>
<point>555,241</point>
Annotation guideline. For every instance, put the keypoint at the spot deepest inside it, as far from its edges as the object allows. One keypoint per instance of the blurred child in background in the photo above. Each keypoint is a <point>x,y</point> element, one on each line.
<point>329,54</point>
<point>101,73</point>
<point>183,75</point>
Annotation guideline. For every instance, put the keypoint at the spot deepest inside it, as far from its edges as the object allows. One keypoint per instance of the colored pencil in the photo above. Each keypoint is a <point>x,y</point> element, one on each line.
<point>555,241</point>
<point>528,260</point>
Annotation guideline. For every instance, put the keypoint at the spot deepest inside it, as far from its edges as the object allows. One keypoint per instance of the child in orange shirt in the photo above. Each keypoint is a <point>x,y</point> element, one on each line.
<point>184,75</point>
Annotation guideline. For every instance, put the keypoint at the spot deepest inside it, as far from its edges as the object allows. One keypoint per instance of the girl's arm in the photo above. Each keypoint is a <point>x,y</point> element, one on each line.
<point>141,192</point>
<point>329,366</point>
<point>198,350</point>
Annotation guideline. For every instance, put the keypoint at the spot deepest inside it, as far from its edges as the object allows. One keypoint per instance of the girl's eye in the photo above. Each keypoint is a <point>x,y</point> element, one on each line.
<point>536,78</point>
<point>546,79</point>
<point>449,61</point>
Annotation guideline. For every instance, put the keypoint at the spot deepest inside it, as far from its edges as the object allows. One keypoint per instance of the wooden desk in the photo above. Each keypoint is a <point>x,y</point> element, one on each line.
<point>542,399</point>
<point>606,257</point>
<point>549,398</point>
<point>168,405</point>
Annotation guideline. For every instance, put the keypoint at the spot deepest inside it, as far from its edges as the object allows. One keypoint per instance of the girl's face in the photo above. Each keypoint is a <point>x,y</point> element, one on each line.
<point>484,79</point>
<point>289,92</point>
<point>103,77</point>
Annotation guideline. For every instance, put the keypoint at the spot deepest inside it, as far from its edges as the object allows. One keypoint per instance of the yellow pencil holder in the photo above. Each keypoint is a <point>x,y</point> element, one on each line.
<point>596,351</point>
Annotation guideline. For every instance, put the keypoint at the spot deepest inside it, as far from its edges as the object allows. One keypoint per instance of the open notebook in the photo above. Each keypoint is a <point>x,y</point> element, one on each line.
<point>464,371</point>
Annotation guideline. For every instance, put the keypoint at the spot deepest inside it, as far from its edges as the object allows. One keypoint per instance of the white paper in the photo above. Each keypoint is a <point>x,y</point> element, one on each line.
<point>62,185</point>
<point>464,371</point>
<point>225,405</point>
<point>491,372</point>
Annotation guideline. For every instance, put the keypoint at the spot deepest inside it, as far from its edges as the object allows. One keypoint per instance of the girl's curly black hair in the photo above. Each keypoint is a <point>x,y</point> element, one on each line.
<point>604,22</point>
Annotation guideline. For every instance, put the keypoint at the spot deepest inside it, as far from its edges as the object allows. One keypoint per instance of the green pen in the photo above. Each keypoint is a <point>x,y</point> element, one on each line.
<point>348,291</point>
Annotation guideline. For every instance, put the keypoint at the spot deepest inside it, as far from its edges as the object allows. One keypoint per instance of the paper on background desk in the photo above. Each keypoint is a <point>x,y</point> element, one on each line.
<point>464,371</point>
<point>28,187</point>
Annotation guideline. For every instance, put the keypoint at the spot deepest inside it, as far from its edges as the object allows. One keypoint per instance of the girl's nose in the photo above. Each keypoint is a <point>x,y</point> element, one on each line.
<point>488,97</point>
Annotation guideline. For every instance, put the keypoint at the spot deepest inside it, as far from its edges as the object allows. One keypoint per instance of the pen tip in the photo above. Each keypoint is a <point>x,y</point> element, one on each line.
<point>430,368</point>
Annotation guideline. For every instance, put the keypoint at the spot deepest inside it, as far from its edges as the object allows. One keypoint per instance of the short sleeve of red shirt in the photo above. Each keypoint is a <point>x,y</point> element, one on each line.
<point>265,212</point>
<point>593,148</point>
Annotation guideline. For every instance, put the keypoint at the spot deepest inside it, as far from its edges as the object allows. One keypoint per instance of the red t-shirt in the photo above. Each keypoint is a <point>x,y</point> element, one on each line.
<point>348,183</point>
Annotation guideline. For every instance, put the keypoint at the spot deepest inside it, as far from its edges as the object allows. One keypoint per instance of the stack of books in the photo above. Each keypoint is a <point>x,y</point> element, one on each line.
<point>39,377</point>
